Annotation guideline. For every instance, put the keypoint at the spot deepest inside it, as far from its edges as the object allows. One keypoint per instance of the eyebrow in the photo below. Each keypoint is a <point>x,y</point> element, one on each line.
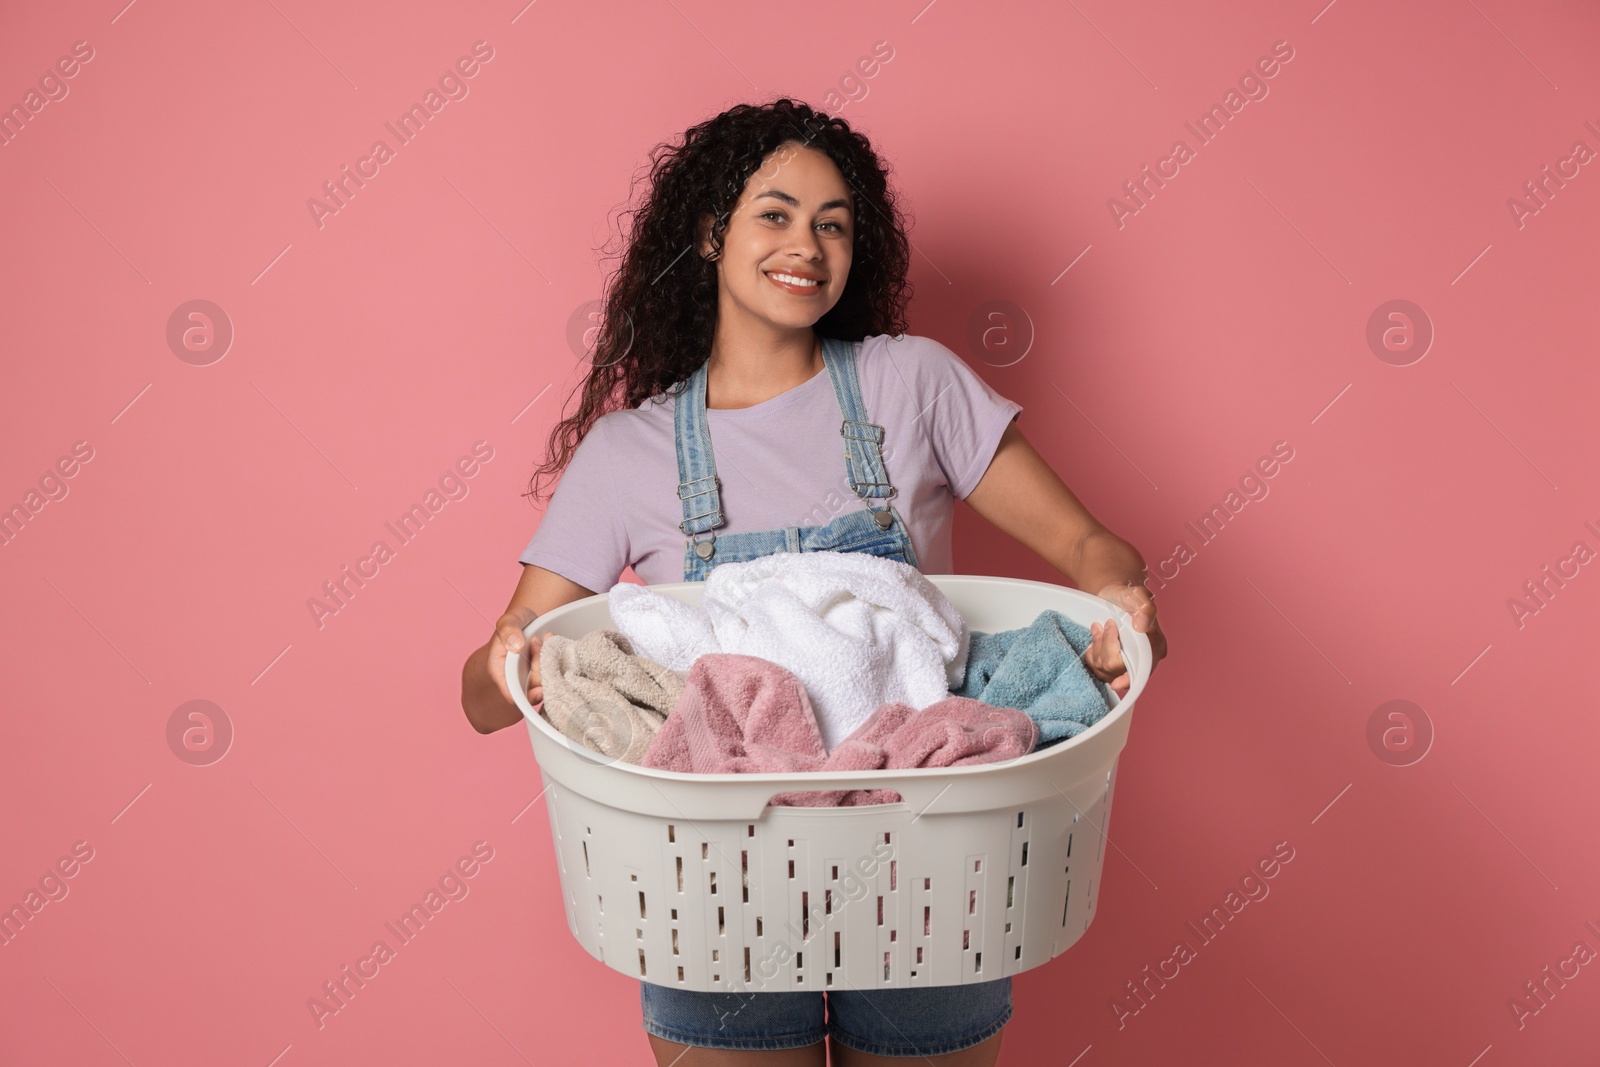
<point>778,194</point>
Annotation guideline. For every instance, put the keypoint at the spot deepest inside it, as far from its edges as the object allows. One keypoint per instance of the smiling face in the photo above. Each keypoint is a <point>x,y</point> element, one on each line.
<point>787,249</point>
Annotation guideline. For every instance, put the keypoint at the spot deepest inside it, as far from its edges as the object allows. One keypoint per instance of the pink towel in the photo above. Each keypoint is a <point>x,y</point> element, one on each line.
<point>741,714</point>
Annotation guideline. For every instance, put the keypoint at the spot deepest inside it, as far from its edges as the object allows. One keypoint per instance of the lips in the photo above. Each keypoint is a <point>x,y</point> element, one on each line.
<point>777,278</point>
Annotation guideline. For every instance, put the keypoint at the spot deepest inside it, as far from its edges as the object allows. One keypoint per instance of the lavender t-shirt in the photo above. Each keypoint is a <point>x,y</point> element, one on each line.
<point>781,463</point>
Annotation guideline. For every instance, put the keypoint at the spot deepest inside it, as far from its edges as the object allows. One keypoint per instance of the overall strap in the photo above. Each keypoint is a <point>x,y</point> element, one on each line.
<point>863,440</point>
<point>698,490</point>
<point>697,472</point>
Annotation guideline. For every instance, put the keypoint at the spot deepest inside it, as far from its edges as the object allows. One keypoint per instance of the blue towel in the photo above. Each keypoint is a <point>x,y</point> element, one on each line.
<point>1038,669</point>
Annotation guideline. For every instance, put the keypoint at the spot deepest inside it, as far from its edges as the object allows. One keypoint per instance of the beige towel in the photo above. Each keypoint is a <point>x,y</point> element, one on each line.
<point>601,695</point>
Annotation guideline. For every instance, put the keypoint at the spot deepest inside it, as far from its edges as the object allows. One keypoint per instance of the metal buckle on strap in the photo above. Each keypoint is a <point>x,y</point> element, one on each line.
<point>857,487</point>
<point>875,437</point>
<point>712,478</point>
<point>709,490</point>
<point>714,511</point>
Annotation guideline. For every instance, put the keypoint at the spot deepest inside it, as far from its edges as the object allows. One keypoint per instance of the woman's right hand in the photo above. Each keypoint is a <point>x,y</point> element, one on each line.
<point>508,641</point>
<point>488,703</point>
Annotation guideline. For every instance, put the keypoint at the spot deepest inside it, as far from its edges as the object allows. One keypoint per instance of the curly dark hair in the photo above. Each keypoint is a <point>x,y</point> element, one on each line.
<point>659,312</point>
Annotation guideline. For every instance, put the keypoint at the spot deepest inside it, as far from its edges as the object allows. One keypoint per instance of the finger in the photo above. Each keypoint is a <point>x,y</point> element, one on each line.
<point>1143,608</point>
<point>1110,636</point>
<point>1097,643</point>
<point>1135,599</point>
<point>511,637</point>
<point>1111,654</point>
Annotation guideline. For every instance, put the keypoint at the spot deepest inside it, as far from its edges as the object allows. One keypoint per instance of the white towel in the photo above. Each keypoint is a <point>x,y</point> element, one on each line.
<point>858,630</point>
<point>675,633</point>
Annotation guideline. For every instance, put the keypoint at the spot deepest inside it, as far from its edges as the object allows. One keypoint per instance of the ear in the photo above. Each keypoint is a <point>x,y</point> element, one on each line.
<point>703,237</point>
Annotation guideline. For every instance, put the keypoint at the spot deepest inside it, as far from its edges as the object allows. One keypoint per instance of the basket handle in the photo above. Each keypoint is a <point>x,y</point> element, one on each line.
<point>744,797</point>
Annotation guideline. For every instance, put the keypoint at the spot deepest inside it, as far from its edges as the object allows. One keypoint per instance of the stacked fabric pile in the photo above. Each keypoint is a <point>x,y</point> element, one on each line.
<point>816,661</point>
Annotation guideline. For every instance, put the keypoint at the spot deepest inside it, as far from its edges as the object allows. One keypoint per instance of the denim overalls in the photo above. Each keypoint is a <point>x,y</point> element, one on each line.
<point>879,531</point>
<point>888,1022</point>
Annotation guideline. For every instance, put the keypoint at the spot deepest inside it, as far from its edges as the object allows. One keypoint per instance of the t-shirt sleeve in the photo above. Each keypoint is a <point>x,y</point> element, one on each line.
<point>963,417</point>
<point>582,536</point>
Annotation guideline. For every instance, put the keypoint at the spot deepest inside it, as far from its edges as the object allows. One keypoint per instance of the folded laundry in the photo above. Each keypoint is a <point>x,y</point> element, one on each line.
<point>598,692</point>
<point>858,630</point>
<point>1038,669</point>
<point>744,714</point>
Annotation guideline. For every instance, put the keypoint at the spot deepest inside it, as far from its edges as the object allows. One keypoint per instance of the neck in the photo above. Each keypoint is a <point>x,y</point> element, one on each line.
<point>747,367</point>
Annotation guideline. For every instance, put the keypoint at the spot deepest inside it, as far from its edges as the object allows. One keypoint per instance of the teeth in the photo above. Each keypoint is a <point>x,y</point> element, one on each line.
<point>792,280</point>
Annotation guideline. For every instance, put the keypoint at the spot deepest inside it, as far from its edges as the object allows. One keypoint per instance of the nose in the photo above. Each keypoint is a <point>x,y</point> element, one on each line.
<point>803,242</point>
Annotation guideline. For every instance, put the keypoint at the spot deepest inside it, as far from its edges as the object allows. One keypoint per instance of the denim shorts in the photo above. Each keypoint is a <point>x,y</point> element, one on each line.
<point>928,1021</point>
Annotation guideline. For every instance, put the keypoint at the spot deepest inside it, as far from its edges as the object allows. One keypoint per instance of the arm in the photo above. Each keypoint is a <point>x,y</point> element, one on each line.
<point>1023,497</point>
<point>484,696</point>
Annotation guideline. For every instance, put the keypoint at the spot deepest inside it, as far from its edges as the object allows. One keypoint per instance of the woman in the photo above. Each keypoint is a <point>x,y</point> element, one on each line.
<point>759,306</point>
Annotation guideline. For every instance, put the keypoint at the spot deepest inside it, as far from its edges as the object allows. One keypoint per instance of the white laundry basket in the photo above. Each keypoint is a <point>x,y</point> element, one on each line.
<point>982,871</point>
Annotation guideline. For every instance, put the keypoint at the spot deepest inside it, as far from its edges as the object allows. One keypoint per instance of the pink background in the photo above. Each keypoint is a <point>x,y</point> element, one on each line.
<point>1229,313</point>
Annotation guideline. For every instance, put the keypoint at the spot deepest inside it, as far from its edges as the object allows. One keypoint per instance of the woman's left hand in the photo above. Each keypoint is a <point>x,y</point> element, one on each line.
<point>1104,657</point>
